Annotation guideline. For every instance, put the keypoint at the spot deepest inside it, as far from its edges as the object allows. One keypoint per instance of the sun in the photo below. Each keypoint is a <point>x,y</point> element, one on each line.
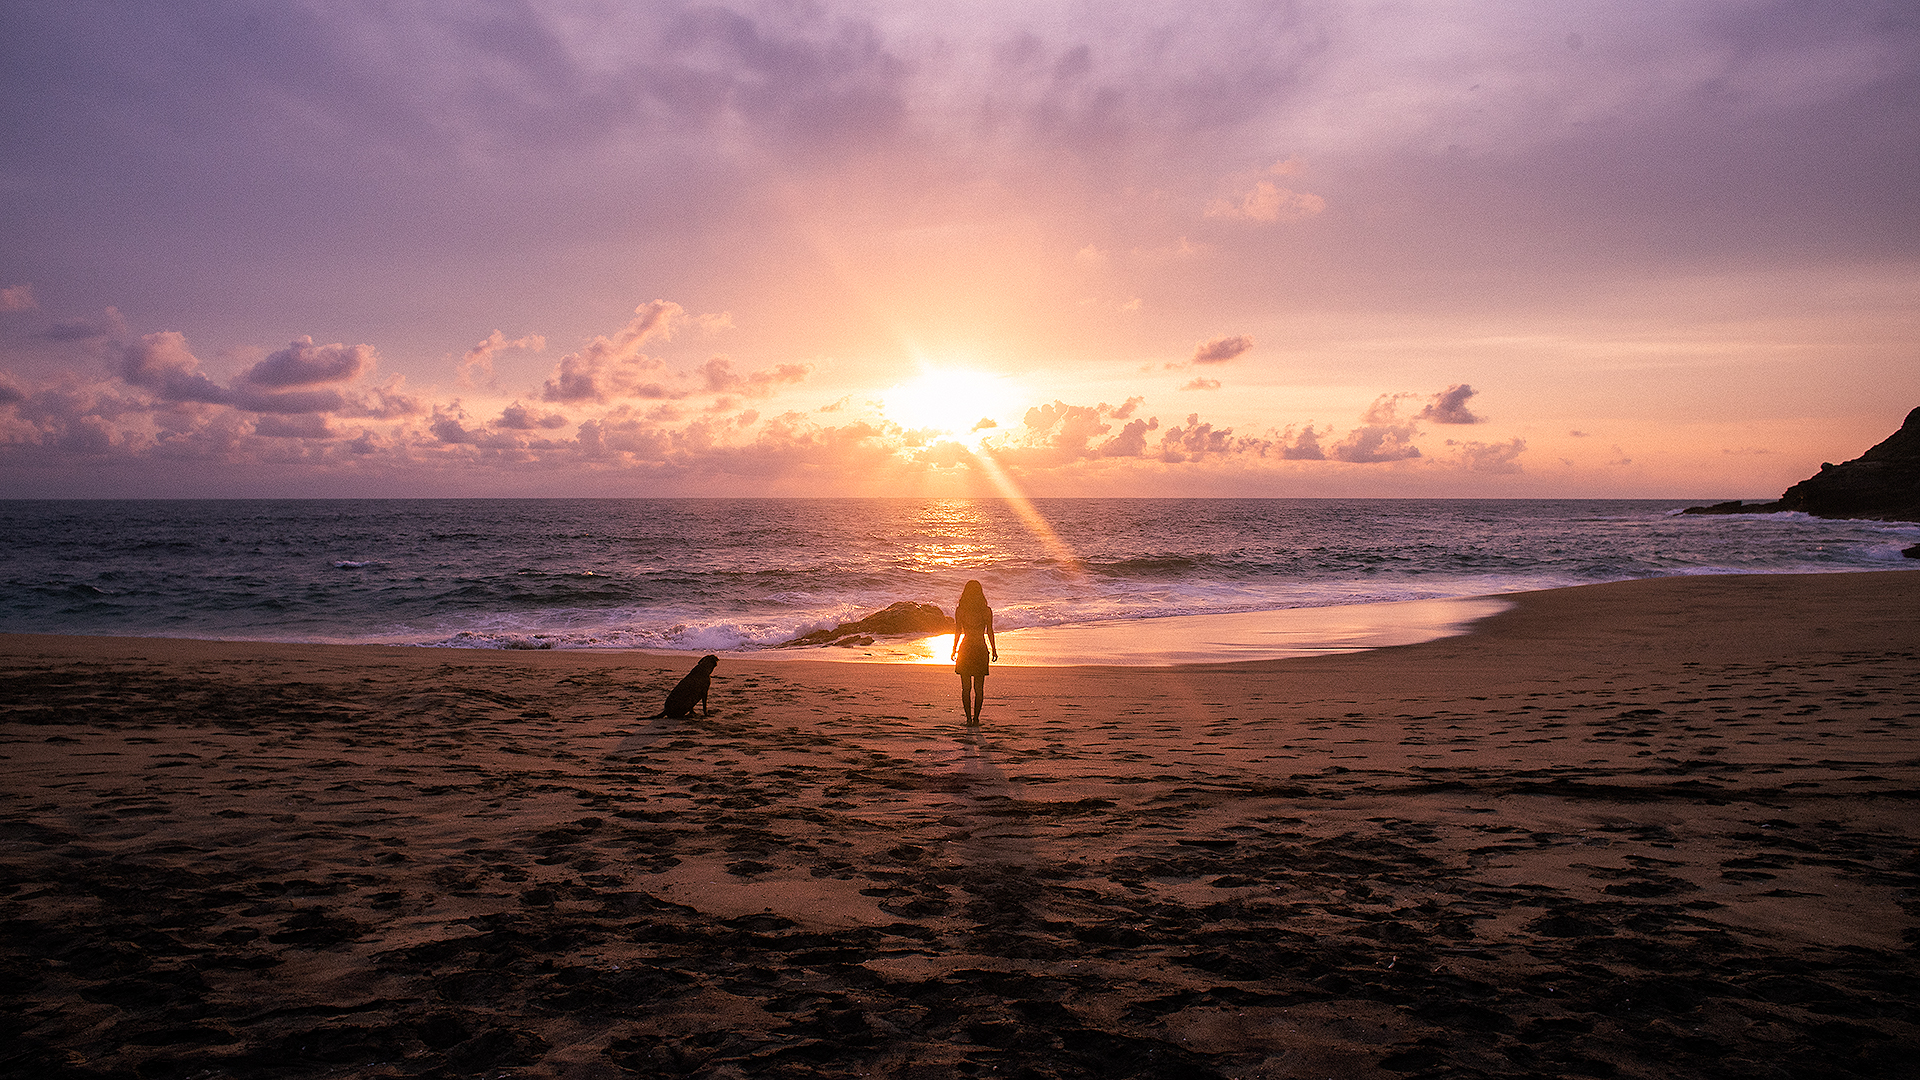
<point>950,401</point>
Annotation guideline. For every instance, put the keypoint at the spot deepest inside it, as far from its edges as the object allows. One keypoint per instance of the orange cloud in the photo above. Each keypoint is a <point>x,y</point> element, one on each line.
<point>1373,443</point>
<point>1195,440</point>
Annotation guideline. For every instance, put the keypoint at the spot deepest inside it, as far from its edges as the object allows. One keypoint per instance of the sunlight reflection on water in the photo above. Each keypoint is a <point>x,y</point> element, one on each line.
<point>948,534</point>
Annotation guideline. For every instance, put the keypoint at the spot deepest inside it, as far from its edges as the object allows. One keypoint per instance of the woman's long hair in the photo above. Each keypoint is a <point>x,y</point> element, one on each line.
<point>972,611</point>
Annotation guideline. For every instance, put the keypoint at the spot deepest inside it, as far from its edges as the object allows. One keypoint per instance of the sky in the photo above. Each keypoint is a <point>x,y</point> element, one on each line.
<point>1287,249</point>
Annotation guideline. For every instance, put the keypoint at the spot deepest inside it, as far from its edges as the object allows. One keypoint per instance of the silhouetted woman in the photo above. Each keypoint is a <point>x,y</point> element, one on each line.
<point>973,643</point>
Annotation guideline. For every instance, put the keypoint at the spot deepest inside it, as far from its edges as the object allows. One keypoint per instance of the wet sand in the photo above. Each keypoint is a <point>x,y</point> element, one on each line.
<point>1194,639</point>
<point>1652,829</point>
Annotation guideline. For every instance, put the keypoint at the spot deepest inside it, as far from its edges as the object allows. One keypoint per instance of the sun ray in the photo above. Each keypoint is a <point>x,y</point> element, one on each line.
<point>1030,515</point>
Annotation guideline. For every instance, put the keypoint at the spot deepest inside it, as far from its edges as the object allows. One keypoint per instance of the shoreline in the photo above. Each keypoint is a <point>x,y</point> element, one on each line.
<point>1658,828</point>
<point>1173,640</point>
<point>1438,622</point>
<point>1155,642</point>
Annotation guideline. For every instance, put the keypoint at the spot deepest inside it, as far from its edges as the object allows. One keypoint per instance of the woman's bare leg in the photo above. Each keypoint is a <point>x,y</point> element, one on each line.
<point>966,697</point>
<point>979,697</point>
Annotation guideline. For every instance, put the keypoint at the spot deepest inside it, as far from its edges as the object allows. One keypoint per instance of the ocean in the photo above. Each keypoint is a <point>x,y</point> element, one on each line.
<point>740,574</point>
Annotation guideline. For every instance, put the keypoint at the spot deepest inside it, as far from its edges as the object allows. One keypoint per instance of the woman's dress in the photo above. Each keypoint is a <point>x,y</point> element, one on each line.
<point>973,651</point>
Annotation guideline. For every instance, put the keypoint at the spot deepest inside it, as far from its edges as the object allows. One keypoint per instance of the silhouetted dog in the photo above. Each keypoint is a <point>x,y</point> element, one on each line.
<point>691,689</point>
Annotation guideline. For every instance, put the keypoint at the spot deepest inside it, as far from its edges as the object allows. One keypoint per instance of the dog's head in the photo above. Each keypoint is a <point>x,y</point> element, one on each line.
<point>707,663</point>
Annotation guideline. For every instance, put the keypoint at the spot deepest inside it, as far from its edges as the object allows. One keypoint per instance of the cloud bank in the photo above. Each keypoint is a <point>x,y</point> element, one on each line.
<point>316,406</point>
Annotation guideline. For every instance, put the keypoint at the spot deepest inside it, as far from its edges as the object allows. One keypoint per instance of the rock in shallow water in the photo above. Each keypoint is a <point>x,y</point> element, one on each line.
<point>905,617</point>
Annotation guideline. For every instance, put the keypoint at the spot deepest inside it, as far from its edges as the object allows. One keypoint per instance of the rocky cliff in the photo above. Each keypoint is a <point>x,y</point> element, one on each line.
<point>1883,483</point>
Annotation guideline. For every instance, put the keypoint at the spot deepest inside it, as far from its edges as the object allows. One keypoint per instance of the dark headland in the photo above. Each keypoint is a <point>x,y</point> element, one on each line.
<point>1882,484</point>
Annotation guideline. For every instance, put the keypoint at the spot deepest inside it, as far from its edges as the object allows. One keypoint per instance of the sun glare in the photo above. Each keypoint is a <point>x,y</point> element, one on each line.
<point>953,402</point>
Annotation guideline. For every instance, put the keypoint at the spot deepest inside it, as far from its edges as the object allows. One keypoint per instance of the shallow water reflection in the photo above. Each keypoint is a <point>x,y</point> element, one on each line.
<point>1201,639</point>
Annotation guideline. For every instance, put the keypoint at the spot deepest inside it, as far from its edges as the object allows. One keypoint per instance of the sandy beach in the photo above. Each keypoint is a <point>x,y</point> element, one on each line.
<point>1651,829</point>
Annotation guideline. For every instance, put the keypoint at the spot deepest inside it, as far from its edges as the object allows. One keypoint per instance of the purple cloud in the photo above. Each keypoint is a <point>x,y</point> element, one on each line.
<point>1221,349</point>
<point>1450,406</point>
<point>161,363</point>
<point>302,363</point>
<point>520,418</point>
<point>1304,446</point>
<point>297,426</point>
<point>110,324</point>
<point>804,83</point>
<point>287,404</point>
<point>447,428</point>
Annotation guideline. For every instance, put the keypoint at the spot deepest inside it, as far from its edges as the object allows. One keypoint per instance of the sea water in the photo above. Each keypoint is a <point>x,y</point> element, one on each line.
<point>728,574</point>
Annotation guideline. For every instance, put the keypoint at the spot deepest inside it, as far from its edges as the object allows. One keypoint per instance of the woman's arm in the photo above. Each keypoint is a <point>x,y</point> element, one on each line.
<point>992,645</point>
